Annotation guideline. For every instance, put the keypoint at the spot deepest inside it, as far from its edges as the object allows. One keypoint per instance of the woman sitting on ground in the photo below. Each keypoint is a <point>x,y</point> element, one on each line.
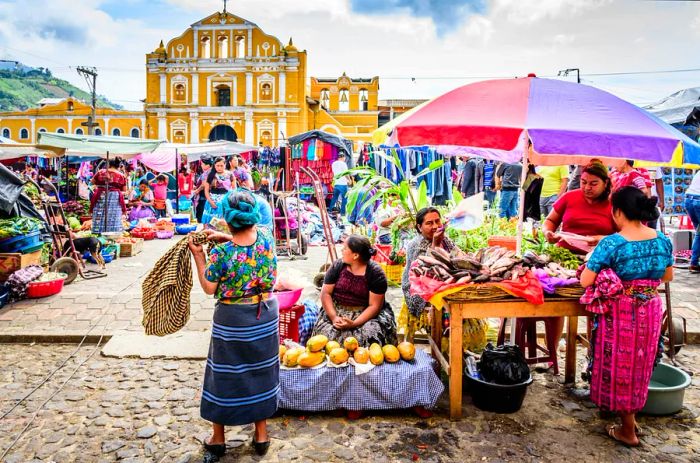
<point>625,270</point>
<point>353,298</point>
<point>142,202</point>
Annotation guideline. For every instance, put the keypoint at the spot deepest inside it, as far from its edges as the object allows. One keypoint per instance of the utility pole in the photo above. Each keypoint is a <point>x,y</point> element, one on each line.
<point>566,72</point>
<point>90,75</point>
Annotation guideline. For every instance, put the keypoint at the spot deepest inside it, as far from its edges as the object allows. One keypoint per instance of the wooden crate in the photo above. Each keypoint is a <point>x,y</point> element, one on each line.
<point>11,262</point>
<point>130,249</point>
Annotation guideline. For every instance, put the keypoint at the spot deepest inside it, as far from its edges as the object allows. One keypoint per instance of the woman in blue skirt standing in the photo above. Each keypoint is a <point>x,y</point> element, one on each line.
<point>241,380</point>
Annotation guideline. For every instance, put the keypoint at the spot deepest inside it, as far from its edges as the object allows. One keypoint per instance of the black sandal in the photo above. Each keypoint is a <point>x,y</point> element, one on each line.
<point>217,450</point>
<point>261,448</point>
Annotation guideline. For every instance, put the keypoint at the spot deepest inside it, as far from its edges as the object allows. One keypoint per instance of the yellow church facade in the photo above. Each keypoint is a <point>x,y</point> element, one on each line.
<point>224,78</point>
<point>67,116</point>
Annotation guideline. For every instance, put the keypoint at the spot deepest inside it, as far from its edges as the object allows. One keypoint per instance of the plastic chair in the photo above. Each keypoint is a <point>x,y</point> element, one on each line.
<point>526,340</point>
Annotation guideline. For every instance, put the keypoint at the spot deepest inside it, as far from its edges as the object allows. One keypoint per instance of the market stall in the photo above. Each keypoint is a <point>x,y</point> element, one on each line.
<point>529,120</point>
<point>316,150</point>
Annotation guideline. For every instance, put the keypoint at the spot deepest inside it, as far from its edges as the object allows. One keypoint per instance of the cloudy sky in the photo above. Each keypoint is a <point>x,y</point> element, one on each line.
<point>419,48</point>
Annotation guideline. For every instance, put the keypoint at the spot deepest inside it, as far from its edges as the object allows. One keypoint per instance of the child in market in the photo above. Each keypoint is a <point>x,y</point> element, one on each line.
<point>160,195</point>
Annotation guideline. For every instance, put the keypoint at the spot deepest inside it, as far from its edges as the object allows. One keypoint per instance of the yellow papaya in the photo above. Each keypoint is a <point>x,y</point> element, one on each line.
<point>351,344</point>
<point>283,350</point>
<point>407,351</point>
<point>331,345</point>
<point>291,357</point>
<point>391,353</point>
<point>375,354</point>
<point>339,355</point>
<point>316,343</point>
<point>311,359</point>
<point>361,355</point>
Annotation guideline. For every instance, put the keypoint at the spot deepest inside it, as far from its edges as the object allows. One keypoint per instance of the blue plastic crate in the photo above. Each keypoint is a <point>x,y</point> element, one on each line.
<point>21,242</point>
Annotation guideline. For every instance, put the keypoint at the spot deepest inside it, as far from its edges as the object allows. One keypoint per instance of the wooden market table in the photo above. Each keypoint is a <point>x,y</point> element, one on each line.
<point>506,308</point>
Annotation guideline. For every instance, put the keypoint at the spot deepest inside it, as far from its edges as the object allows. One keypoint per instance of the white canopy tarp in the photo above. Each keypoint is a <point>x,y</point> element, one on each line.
<point>164,158</point>
<point>96,145</point>
<point>675,108</point>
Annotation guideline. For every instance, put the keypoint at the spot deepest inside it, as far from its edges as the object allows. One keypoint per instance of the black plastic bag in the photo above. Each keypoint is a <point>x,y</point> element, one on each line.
<point>503,365</point>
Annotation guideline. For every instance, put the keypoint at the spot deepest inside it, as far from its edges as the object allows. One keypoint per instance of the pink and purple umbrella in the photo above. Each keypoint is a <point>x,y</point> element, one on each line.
<point>551,119</point>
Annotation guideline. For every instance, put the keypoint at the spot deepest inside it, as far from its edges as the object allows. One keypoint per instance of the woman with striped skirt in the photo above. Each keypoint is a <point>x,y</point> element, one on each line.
<point>241,380</point>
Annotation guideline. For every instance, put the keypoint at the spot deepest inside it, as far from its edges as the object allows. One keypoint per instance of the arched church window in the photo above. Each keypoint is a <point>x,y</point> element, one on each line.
<point>223,47</point>
<point>23,134</point>
<point>364,99</point>
<point>206,48</point>
<point>223,95</point>
<point>240,46</point>
<point>116,132</point>
<point>266,92</point>
<point>344,100</point>
<point>135,133</point>
<point>326,98</point>
<point>179,93</point>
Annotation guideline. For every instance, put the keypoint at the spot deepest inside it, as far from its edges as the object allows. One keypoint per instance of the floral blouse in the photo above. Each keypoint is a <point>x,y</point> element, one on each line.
<point>243,271</point>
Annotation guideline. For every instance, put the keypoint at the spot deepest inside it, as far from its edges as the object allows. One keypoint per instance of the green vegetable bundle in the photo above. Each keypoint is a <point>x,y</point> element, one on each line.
<point>563,257</point>
<point>18,226</point>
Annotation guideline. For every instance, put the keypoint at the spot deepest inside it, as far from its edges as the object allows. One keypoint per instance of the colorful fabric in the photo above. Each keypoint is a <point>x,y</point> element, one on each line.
<point>243,271</point>
<point>116,182</point>
<point>213,212</point>
<point>390,386</point>
<point>241,379</point>
<point>624,341</point>
<point>380,329</point>
<point>582,218</point>
<point>632,260</point>
<point>160,191</point>
<point>185,184</point>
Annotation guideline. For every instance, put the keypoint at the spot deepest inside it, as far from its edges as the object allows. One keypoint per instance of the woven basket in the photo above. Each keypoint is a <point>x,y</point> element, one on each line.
<point>393,272</point>
<point>573,291</point>
<point>476,292</point>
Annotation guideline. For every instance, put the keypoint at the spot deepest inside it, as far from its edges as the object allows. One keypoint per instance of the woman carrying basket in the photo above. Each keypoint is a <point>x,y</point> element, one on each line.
<point>241,380</point>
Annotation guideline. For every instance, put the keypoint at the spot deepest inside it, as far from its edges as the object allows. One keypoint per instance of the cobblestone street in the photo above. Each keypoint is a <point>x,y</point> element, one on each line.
<point>147,410</point>
<point>135,410</point>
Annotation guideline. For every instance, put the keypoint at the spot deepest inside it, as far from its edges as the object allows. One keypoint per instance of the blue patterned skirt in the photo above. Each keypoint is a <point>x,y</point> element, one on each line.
<point>241,380</point>
<point>210,212</point>
<point>114,214</point>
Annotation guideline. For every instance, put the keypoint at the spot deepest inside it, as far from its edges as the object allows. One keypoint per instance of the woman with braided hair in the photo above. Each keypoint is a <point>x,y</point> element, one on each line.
<point>241,380</point>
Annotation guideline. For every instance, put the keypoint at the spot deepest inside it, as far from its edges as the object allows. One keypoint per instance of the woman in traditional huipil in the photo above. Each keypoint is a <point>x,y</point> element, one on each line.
<point>621,280</point>
<point>110,185</point>
<point>241,381</point>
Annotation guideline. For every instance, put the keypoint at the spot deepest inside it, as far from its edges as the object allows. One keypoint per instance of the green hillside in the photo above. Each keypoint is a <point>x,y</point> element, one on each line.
<point>22,89</point>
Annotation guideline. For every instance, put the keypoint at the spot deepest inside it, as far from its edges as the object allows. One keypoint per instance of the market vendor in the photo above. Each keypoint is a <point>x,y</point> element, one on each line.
<point>110,187</point>
<point>218,182</point>
<point>414,314</point>
<point>385,216</point>
<point>142,202</point>
<point>353,299</point>
<point>586,211</point>
<point>622,277</point>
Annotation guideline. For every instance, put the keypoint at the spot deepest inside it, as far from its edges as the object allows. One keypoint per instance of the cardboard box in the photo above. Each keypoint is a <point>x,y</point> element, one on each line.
<point>130,249</point>
<point>11,262</point>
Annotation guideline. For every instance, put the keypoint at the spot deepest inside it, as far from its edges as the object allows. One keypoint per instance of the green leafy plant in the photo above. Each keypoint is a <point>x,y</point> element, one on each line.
<point>383,188</point>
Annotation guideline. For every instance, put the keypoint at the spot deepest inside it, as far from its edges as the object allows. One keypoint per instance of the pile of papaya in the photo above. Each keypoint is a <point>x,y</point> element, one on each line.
<point>319,349</point>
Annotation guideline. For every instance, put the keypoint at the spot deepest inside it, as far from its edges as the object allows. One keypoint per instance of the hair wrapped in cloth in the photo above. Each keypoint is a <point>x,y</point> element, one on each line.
<point>240,209</point>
